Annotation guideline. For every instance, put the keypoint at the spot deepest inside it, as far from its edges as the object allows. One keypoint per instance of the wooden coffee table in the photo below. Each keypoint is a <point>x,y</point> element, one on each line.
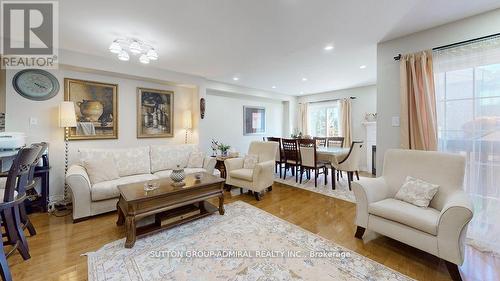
<point>169,205</point>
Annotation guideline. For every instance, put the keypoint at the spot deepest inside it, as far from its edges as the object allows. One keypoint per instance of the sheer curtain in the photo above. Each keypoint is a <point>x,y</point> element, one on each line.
<point>467,81</point>
<point>346,121</point>
<point>303,118</point>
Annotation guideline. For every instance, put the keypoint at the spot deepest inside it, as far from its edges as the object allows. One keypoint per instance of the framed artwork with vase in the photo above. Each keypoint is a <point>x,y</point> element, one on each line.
<point>155,113</point>
<point>254,120</point>
<point>96,108</point>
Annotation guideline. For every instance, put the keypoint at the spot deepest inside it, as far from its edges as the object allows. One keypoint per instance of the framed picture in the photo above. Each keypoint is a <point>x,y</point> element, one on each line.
<point>96,108</point>
<point>254,120</point>
<point>155,113</point>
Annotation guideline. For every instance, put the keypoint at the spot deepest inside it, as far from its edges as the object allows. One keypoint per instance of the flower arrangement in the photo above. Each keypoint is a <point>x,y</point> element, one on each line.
<point>224,148</point>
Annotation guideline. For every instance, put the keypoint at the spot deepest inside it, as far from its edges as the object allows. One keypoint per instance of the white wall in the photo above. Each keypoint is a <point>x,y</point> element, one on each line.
<point>20,110</point>
<point>388,88</point>
<point>365,102</point>
<point>224,119</point>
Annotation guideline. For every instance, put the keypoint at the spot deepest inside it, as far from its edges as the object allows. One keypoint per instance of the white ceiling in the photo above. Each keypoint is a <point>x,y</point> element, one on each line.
<point>265,42</point>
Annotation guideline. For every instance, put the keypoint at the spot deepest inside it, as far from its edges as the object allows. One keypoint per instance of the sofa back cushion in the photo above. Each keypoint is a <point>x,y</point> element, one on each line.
<point>167,157</point>
<point>443,169</point>
<point>128,161</point>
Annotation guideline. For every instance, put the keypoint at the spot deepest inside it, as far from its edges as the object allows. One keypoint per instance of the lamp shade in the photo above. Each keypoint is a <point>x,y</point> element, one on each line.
<point>67,115</point>
<point>188,122</point>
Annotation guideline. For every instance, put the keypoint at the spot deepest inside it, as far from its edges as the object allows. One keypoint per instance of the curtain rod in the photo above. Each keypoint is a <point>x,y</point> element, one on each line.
<point>352,98</point>
<point>398,57</point>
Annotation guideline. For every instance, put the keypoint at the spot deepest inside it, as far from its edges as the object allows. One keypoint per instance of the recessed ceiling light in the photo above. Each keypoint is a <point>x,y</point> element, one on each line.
<point>274,87</point>
<point>328,47</point>
<point>301,93</point>
<point>236,78</point>
<point>362,66</point>
<point>304,79</point>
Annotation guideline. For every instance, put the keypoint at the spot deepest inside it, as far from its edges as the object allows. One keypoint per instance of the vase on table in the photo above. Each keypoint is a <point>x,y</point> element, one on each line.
<point>177,176</point>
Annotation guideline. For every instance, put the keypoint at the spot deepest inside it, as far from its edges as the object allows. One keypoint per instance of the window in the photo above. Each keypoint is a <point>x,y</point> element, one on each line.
<point>467,83</point>
<point>324,119</point>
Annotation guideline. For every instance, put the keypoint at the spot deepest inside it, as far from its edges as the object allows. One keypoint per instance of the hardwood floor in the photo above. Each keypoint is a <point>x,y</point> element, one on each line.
<point>57,248</point>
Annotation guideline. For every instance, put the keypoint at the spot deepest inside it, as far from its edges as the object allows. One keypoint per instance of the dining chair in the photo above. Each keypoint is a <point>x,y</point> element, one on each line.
<point>291,157</point>
<point>350,164</point>
<point>309,160</point>
<point>335,141</point>
<point>13,196</point>
<point>4,266</point>
<point>320,141</point>
<point>279,155</point>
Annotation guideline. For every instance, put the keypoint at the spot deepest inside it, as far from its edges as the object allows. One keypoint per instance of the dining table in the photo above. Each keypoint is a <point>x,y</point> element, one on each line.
<point>332,154</point>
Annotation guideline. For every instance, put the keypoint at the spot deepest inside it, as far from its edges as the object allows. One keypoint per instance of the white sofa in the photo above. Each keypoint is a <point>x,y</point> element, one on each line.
<point>133,165</point>
<point>261,176</point>
<point>439,229</point>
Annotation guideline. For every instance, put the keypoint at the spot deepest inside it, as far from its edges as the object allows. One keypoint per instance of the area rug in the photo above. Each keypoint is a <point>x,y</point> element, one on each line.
<point>244,244</point>
<point>341,189</point>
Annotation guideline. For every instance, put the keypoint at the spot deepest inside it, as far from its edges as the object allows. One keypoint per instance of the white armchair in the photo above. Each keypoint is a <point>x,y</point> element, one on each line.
<point>439,229</point>
<point>261,176</point>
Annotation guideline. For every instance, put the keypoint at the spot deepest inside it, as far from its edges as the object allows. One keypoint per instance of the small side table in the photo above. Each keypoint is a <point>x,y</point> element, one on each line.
<point>220,164</point>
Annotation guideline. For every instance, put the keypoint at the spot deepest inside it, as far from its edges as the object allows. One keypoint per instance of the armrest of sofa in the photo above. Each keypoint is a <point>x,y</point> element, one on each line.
<point>209,164</point>
<point>264,170</point>
<point>79,183</point>
<point>452,227</point>
<point>366,191</point>
<point>233,164</point>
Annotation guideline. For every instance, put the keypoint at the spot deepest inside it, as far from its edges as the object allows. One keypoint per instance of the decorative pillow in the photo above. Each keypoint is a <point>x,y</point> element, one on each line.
<point>195,160</point>
<point>100,170</point>
<point>250,161</point>
<point>417,192</point>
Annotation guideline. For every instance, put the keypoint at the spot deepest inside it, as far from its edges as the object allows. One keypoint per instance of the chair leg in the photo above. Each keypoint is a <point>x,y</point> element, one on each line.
<point>453,271</point>
<point>333,178</point>
<point>357,175</point>
<point>349,179</point>
<point>270,188</point>
<point>5,271</point>
<point>26,220</point>
<point>316,177</point>
<point>325,172</point>
<point>280,169</point>
<point>338,175</point>
<point>359,232</point>
<point>285,169</point>
<point>301,174</point>
<point>296,170</point>
<point>257,196</point>
<point>14,231</point>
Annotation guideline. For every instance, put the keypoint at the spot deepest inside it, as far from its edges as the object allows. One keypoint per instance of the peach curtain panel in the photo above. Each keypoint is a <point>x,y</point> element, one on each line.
<point>418,102</point>
<point>303,119</point>
<point>345,108</point>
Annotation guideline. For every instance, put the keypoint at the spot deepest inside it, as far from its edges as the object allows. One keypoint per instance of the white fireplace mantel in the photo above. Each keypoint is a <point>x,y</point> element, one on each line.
<point>371,140</point>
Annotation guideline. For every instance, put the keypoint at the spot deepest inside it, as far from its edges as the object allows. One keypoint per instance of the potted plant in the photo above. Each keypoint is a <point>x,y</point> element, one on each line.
<point>224,149</point>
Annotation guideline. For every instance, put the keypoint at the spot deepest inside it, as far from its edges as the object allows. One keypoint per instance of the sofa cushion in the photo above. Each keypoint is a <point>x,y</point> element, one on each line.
<point>242,174</point>
<point>423,219</point>
<point>167,157</point>
<point>109,189</point>
<point>417,192</point>
<point>195,160</point>
<point>101,170</point>
<point>128,161</point>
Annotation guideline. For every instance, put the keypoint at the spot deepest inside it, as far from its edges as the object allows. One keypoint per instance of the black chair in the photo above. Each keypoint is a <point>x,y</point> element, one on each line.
<point>321,141</point>
<point>279,155</point>
<point>335,141</point>
<point>14,196</point>
<point>291,157</point>
<point>309,161</point>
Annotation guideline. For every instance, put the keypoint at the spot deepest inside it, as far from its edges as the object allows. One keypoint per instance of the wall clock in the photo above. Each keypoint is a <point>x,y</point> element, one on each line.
<point>35,84</point>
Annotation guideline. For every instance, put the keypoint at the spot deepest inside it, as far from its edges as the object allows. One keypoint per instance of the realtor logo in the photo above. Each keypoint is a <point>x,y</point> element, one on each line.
<point>29,34</point>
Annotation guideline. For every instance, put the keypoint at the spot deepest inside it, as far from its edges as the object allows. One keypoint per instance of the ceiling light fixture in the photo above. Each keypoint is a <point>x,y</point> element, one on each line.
<point>362,66</point>
<point>328,47</point>
<point>136,47</point>
<point>274,87</point>
<point>236,78</point>
<point>304,79</point>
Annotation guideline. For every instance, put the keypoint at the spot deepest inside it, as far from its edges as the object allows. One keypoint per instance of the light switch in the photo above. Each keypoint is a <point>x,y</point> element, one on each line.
<point>395,121</point>
<point>33,121</point>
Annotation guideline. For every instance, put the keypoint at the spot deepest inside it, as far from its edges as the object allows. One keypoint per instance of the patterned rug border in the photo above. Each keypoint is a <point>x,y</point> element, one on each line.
<point>92,256</point>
